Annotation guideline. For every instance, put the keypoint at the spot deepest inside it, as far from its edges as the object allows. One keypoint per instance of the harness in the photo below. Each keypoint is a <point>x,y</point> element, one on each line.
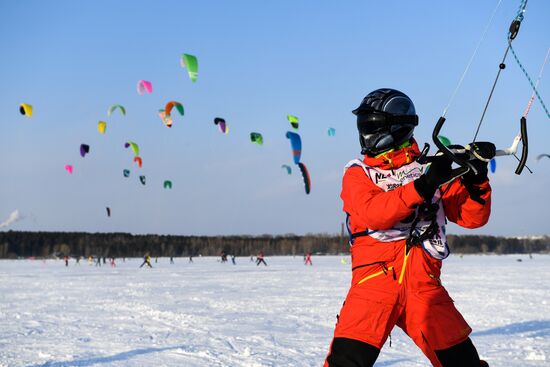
<point>425,227</point>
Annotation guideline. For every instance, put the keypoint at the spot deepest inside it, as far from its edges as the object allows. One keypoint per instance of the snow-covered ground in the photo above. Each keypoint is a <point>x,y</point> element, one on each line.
<point>213,314</point>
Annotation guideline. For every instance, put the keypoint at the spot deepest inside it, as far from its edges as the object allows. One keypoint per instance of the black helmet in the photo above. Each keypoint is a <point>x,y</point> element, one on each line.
<point>385,119</point>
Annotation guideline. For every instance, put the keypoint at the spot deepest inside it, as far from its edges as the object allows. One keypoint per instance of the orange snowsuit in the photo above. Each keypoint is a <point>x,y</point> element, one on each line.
<point>389,285</point>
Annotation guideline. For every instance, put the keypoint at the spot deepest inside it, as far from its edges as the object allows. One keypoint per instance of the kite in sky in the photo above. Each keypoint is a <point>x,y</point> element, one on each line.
<point>257,138</point>
<point>166,120</point>
<point>222,125</point>
<point>114,107</point>
<point>166,113</point>
<point>134,146</point>
<point>296,145</point>
<point>444,140</point>
<point>170,105</point>
<point>84,149</point>
<point>144,86</point>
<point>25,109</point>
<point>14,217</point>
<point>305,176</point>
<point>190,63</point>
<point>294,121</point>
<point>101,126</point>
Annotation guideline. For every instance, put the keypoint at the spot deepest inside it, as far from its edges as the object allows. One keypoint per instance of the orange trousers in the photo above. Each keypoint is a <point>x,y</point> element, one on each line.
<point>404,291</point>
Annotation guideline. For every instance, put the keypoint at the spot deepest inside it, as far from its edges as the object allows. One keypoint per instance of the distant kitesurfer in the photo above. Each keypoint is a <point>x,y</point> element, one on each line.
<point>223,256</point>
<point>307,259</point>
<point>260,259</point>
<point>146,261</point>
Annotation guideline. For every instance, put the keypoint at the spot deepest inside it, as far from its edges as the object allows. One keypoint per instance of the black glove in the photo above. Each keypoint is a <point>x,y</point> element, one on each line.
<point>484,152</point>
<point>438,173</point>
<point>470,178</point>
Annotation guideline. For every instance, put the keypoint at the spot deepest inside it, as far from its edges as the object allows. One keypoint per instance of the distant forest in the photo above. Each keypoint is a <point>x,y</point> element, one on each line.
<point>17,244</point>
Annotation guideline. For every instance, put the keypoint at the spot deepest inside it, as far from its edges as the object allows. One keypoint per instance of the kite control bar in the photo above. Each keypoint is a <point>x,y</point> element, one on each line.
<point>522,136</point>
<point>465,166</point>
<point>464,155</point>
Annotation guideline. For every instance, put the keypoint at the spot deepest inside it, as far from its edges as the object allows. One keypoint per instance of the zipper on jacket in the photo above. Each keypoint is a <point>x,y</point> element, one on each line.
<point>403,267</point>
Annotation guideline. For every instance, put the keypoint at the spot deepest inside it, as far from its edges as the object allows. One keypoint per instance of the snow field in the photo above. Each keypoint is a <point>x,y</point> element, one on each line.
<point>213,314</point>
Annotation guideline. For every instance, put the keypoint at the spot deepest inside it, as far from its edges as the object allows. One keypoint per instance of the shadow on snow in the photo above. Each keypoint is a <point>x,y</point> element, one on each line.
<point>107,359</point>
<point>392,362</point>
<point>535,328</point>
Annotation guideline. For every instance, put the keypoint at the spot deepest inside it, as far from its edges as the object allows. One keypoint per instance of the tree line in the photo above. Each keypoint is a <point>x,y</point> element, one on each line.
<point>22,244</point>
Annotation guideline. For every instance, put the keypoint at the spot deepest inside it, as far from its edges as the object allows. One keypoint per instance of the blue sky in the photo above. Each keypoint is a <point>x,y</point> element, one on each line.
<point>258,62</point>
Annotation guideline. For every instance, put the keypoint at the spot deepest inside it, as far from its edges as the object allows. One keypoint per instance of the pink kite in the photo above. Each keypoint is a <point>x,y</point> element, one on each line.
<point>69,168</point>
<point>144,86</point>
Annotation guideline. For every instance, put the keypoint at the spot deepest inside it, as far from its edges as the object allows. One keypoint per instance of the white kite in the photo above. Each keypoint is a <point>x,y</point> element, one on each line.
<point>14,217</point>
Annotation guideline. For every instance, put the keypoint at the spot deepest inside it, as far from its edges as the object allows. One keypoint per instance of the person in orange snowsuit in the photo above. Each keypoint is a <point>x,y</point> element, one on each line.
<point>396,211</point>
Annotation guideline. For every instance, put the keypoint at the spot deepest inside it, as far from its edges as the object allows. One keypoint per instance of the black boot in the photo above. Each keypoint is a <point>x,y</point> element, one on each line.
<point>461,355</point>
<point>351,353</point>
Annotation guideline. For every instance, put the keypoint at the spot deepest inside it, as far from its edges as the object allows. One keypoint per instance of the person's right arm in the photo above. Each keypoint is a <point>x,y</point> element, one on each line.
<point>373,208</point>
